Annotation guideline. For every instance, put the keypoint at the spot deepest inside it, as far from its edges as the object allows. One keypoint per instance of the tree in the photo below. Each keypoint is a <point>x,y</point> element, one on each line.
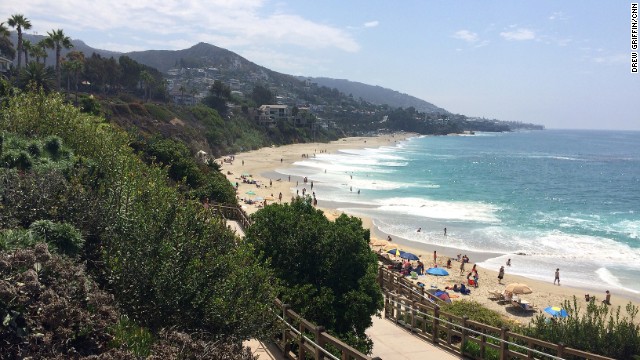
<point>6,47</point>
<point>58,40</point>
<point>38,75</point>
<point>19,22</point>
<point>27,47</point>
<point>308,252</point>
<point>42,51</point>
<point>75,61</point>
<point>182,89</point>
<point>261,95</point>
<point>146,80</point>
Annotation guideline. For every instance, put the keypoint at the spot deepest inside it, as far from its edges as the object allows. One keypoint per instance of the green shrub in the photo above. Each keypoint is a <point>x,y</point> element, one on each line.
<point>18,159</point>
<point>473,348</point>
<point>127,334</point>
<point>35,149</point>
<point>53,145</point>
<point>16,239</point>
<point>138,109</point>
<point>89,105</point>
<point>64,237</point>
<point>159,112</point>
<point>474,311</point>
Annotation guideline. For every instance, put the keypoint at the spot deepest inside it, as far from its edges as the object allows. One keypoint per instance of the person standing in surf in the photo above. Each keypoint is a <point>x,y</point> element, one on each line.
<point>557,278</point>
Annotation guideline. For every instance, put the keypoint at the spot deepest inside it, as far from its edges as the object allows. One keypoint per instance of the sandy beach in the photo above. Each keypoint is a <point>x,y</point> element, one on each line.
<point>261,166</point>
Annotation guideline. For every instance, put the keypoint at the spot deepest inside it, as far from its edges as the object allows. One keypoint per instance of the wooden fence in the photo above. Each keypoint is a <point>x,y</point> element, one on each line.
<point>301,339</point>
<point>420,313</point>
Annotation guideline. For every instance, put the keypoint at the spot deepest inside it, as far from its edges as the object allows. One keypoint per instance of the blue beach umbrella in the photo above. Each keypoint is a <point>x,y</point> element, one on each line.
<point>250,192</point>
<point>556,311</point>
<point>396,252</point>
<point>437,271</point>
<point>408,256</point>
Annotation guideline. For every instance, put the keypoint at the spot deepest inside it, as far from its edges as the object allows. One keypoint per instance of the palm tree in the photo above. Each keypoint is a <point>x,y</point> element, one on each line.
<point>38,52</point>
<point>75,64</point>
<point>58,40</point>
<point>36,75</point>
<point>19,22</point>
<point>147,79</point>
<point>27,47</point>
<point>4,31</point>
<point>42,44</point>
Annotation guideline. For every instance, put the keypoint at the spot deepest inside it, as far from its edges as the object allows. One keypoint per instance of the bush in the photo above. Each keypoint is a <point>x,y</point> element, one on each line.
<point>66,238</point>
<point>35,149</point>
<point>16,239</point>
<point>128,335</point>
<point>18,159</point>
<point>476,312</point>
<point>599,329</point>
<point>159,112</point>
<point>89,105</point>
<point>53,145</point>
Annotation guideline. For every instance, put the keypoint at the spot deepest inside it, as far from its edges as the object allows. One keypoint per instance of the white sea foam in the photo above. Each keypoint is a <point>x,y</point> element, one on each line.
<point>442,210</point>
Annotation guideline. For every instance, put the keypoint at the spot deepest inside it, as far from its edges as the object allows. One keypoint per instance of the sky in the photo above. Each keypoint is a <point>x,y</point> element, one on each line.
<point>564,64</point>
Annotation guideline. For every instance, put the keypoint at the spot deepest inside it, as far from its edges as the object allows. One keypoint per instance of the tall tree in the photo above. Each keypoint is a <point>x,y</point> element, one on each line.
<point>38,52</point>
<point>42,44</point>
<point>307,252</point>
<point>146,80</point>
<point>58,40</point>
<point>76,64</point>
<point>19,22</point>
<point>6,47</point>
<point>27,47</point>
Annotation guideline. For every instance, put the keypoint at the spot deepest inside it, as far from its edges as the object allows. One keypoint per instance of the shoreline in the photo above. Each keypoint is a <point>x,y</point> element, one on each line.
<point>263,165</point>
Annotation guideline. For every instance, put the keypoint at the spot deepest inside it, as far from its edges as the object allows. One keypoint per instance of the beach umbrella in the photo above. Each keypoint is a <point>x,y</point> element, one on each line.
<point>409,256</point>
<point>396,252</point>
<point>556,311</point>
<point>517,288</point>
<point>258,198</point>
<point>443,295</point>
<point>250,192</point>
<point>436,271</point>
<point>270,198</point>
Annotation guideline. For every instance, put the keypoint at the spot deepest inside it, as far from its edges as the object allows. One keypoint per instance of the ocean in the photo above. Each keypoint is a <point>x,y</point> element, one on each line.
<point>567,199</point>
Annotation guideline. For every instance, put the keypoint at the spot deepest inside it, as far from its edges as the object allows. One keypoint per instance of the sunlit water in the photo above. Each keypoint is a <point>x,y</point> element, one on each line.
<point>565,198</point>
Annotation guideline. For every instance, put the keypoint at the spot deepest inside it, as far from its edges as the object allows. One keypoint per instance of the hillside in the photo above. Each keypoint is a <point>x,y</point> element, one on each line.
<point>379,95</point>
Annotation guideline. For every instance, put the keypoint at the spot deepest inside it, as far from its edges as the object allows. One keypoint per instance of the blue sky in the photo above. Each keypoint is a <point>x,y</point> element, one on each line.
<point>564,64</point>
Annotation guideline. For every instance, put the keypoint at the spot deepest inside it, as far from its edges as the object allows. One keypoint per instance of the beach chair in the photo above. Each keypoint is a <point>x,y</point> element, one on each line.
<point>414,275</point>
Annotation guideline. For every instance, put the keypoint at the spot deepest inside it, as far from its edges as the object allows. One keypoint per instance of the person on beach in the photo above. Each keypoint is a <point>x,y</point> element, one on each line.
<point>388,237</point>
<point>449,263</point>
<point>280,197</point>
<point>242,162</point>
<point>445,231</point>
<point>500,274</point>
<point>420,268</point>
<point>462,268</point>
<point>419,229</point>
<point>508,262</point>
<point>557,278</point>
<point>435,257</point>
<point>607,298</point>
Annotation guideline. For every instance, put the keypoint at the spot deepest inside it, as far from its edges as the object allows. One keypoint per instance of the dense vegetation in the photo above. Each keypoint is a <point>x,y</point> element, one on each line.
<point>73,181</point>
<point>327,268</point>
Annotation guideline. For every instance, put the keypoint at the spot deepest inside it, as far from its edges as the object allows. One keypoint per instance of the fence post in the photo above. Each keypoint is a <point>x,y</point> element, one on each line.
<point>436,317</point>
<point>463,333</point>
<point>318,333</point>
<point>285,341</point>
<point>381,277</point>
<point>413,316</point>
<point>504,348</point>
<point>399,311</point>
<point>301,349</point>
<point>560,349</point>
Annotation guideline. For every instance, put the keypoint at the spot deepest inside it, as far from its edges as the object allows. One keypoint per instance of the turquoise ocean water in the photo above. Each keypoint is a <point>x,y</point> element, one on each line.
<point>559,198</point>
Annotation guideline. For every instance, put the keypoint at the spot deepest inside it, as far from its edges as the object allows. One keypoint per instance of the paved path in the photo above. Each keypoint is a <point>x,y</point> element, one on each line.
<point>392,342</point>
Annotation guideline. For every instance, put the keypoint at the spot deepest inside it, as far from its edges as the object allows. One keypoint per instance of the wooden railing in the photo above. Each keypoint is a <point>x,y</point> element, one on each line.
<point>232,212</point>
<point>301,339</point>
<point>421,315</point>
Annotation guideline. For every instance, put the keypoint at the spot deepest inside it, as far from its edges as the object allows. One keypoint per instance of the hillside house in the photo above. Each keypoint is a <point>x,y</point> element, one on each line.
<point>269,115</point>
